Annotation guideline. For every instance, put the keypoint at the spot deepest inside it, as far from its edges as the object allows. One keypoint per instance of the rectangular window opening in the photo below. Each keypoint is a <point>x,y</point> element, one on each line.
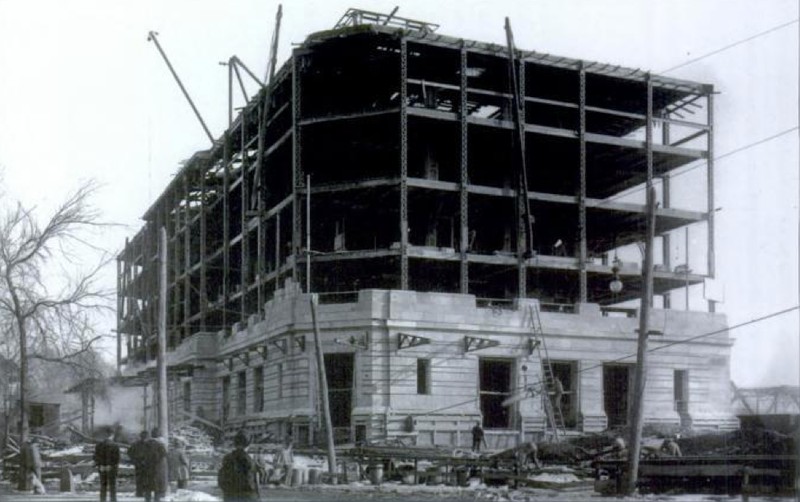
<point>681,390</point>
<point>258,389</point>
<point>241,397</point>
<point>187,397</point>
<point>226,398</point>
<point>423,376</point>
<point>495,387</point>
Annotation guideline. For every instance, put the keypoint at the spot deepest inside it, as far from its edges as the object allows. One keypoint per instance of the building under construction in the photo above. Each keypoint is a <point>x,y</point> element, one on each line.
<point>469,216</point>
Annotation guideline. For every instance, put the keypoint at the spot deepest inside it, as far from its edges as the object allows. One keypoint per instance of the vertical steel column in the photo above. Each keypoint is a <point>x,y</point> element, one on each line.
<point>297,166</point>
<point>277,250</point>
<point>666,240</point>
<point>464,161</point>
<point>244,186</point>
<point>260,239</point>
<point>187,255</point>
<point>203,244</point>
<point>173,271</point>
<point>226,236</point>
<point>120,302</point>
<point>710,181</point>
<point>649,131</point>
<point>147,291</point>
<point>524,242</point>
<point>649,151</point>
<point>404,279</point>
<point>582,251</point>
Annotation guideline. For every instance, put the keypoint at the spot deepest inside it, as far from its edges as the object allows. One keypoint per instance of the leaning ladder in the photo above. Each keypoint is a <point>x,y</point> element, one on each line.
<point>555,418</point>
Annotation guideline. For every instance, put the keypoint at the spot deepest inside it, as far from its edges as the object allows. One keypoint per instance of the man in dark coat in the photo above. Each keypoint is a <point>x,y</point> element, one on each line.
<point>153,470</point>
<point>238,475</point>
<point>136,452</point>
<point>106,458</point>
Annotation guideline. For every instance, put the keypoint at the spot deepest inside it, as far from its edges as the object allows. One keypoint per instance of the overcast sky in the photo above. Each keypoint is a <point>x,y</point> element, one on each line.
<point>84,95</point>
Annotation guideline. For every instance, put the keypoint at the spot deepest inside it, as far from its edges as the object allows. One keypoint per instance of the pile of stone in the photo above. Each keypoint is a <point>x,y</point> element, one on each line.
<point>193,438</point>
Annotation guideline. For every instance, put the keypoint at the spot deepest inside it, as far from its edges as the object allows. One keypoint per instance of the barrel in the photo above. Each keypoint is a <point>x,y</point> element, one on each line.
<point>376,474</point>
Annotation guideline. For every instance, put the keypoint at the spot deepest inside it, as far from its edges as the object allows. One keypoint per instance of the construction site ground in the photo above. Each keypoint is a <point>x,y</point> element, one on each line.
<point>565,472</point>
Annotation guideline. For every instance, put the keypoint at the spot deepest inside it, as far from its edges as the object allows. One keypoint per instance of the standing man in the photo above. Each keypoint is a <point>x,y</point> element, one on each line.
<point>137,452</point>
<point>106,458</point>
<point>153,471</point>
<point>478,437</point>
<point>238,475</point>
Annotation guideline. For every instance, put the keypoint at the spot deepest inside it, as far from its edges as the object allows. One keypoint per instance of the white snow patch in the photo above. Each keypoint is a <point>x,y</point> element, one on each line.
<point>547,477</point>
<point>75,450</point>
<point>191,496</point>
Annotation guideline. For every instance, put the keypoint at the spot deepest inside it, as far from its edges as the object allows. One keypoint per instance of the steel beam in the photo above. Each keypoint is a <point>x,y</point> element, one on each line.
<point>582,250</point>
<point>464,180</point>
<point>404,279</point>
<point>297,164</point>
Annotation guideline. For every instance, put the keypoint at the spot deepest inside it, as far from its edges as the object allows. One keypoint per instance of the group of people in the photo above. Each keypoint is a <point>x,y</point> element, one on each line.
<point>153,466</point>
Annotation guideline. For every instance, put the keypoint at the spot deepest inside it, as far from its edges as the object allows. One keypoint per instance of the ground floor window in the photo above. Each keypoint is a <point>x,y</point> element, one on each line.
<point>495,380</point>
<point>566,372</point>
<point>681,391</point>
<point>339,371</point>
<point>617,393</point>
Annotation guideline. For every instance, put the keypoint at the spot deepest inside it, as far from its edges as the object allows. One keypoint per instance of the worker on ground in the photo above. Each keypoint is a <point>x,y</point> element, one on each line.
<point>478,437</point>
<point>526,455</point>
<point>238,475</point>
<point>179,466</point>
<point>136,453</point>
<point>670,447</point>
<point>284,460</point>
<point>620,449</point>
<point>106,458</point>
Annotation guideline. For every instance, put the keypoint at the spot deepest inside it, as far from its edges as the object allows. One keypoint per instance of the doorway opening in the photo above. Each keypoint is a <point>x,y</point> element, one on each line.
<point>495,387</point>
<point>339,373</point>
<point>567,373</point>
<point>617,393</point>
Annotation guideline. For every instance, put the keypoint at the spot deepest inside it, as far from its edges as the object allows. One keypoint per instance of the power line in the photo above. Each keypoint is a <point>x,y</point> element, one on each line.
<point>698,337</point>
<point>729,46</point>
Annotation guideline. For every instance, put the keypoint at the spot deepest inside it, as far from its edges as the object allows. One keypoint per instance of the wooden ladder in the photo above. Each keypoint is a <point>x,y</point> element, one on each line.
<point>555,418</point>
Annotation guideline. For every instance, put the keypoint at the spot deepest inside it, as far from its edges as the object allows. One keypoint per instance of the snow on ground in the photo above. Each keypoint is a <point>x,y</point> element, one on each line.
<point>190,496</point>
<point>562,478</point>
<point>74,450</point>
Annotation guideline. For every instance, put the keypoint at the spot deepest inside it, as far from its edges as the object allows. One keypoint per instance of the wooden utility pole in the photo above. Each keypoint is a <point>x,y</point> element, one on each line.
<point>640,382</point>
<point>161,350</point>
<point>323,389</point>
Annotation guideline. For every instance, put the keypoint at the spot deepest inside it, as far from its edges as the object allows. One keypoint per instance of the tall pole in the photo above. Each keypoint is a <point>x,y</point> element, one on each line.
<point>161,360</point>
<point>323,389</point>
<point>640,380</point>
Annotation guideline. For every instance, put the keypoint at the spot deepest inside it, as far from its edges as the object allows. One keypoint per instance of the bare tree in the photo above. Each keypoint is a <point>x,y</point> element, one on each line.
<point>50,314</point>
